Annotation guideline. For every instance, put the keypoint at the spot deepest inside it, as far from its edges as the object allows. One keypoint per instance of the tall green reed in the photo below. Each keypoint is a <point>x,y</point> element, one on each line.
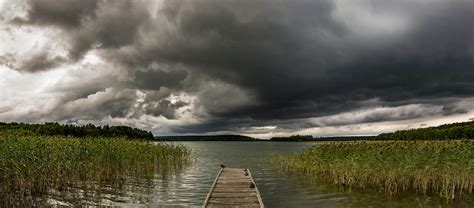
<point>445,168</point>
<point>33,167</point>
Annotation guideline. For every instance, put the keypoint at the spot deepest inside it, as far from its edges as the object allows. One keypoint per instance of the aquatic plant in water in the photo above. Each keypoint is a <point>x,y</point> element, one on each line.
<point>33,167</point>
<point>445,168</point>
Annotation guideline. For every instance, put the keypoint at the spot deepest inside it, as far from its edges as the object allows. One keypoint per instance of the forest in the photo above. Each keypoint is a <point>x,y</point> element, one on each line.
<point>454,131</point>
<point>206,138</point>
<point>293,138</point>
<point>88,130</point>
<point>463,130</point>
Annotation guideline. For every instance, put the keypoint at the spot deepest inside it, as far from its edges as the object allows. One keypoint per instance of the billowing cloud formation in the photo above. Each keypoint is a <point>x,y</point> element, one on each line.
<point>33,62</point>
<point>69,13</point>
<point>241,66</point>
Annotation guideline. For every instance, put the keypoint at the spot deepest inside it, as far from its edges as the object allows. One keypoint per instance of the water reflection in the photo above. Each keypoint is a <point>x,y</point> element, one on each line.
<point>188,186</point>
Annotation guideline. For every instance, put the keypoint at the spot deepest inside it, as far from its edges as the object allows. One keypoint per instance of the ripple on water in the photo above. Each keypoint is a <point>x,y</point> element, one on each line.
<point>188,187</point>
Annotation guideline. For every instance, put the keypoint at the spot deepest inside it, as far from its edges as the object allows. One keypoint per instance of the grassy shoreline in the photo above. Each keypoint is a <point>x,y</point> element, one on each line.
<point>31,167</point>
<point>445,168</point>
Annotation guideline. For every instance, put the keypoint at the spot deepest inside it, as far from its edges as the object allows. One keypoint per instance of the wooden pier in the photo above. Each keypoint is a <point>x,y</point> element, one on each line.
<point>233,187</point>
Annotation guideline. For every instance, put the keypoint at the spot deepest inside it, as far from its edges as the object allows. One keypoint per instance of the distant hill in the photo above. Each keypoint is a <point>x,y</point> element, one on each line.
<point>206,138</point>
<point>88,130</point>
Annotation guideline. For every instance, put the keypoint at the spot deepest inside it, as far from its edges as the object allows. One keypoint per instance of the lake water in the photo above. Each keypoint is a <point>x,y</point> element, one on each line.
<point>189,186</point>
<point>192,185</point>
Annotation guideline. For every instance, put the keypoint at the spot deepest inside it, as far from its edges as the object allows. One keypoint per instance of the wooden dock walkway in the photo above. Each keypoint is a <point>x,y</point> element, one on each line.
<point>233,187</point>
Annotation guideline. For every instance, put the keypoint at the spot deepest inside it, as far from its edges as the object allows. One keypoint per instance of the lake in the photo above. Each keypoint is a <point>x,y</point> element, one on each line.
<point>189,186</point>
<point>199,177</point>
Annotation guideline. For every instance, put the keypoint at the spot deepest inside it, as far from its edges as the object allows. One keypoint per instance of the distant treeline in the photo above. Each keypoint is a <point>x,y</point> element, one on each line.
<point>206,138</point>
<point>89,130</point>
<point>294,138</point>
<point>453,131</point>
<point>464,130</point>
<point>308,138</point>
<point>345,138</point>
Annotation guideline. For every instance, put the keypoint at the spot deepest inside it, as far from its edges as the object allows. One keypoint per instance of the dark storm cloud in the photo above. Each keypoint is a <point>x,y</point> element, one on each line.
<point>164,108</point>
<point>266,52</point>
<point>41,62</point>
<point>254,63</point>
<point>116,24</point>
<point>35,62</point>
<point>155,79</point>
<point>116,103</point>
<point>66,13</point>
<point>89,24</point>
<point>300,61</point>
<point>368,115</point>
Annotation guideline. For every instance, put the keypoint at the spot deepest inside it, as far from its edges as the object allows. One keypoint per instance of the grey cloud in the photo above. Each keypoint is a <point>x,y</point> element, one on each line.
<point>164,108</point>
<point>159,103</point>
<point>301,63</point>
<point>33,62</point>
<point>155,79</point>
<point>257,63</point>
<point>157,95</point>
<point>7,60</point>
<point>380,114</point>
<point>41,62</point>
<point>89,24</point>
<point>96,99</point>
<point>116,24</point>
<point>353,117</point>
<point>219,99</point>
<point>5,109</point>
<point>76,87</point>
<point>116,103</point>
<point>66,13</point>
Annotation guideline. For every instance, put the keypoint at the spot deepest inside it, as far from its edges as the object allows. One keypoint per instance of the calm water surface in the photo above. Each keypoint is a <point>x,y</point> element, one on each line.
<point>189,187</point>
<point>192,185</point>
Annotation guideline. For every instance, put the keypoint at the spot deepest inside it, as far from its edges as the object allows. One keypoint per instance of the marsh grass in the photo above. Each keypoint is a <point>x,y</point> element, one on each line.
<point>444,168</point>
<point>31,168</point>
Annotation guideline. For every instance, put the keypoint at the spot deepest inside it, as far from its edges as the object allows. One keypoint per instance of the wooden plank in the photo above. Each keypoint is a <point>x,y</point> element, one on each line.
<point>212,187</point>
<point>246,184</point>
<point>242,180</point>
<point>230,198</point>
<point>234,179</point>
<point>239,200</point>
<point>233,194</point>
<point>232,188</point>
<point>233,206</point>
<point>260,201</point>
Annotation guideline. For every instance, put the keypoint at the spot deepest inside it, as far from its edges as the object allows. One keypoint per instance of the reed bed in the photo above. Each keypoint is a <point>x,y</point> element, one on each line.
<point>444,168</point>
<point>33,167</point>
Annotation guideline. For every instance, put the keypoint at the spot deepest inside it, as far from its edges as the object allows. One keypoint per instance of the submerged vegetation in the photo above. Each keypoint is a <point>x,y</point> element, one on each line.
<point>35,168</point>
<point>444,168</point>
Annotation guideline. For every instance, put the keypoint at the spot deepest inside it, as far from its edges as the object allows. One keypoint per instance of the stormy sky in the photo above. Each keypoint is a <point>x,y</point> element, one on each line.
<point>256,67</point>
